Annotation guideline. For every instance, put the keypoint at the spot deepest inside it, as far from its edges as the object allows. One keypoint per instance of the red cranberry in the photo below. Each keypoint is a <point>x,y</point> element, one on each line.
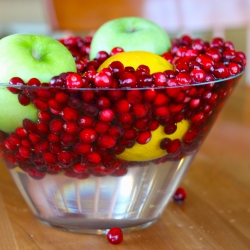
<point>160,100</point>
<point>125,118</point>
<point>143,68</point>
<point>153,125</point>
<point>134,96</point>
<point>180,194</point>
<point>89,110</point>
<point>144,137</point>
<point>23,99</point>
<point>115,131</point>
<point>88,135</point>
<point>67,139</point>
<point>92,159</point>
<point>74,80</point>
<point>182,67</point>
<point>35,138</point>
<point>183,78</point>
<point>217,42</point>
<point>103,102</point>
<point>61,97</point>
<point>79,167</point>
<point>86,121</point>
<point>168,56</point>
<point>160,79</point>
<point>102,80</point>
<point>56,126</point>
<point>55,148</point>
<point>108,160</point>
<point>191,54</point>
<point>106,141</point>
<point>42,146</point>
<point>127,79</point>
<point>191,135</point>
<point>175,146</point>
<point>116,50</point>
<point>21,132</point>
<point>53,138</point>
<point>102,56</point>
<point>198,75</point>
<point>71,127</point>
<point>88,96</point>
<point>106,115</point>
<point>50,158</point>
<point>82,148</point>
<point>64,158</point>
<point>41,105</point>
<point>115,236</point>
<point>233,68</point>
<point>44,116</point>
<point>170,128</point>
<point>15,81</point>
<point>198,44</point>
<point>142,123</point>
<point>69,114</point>
<point>205,61</point>
<point>117,68</point>
<point>214,53</point>
<point>9,145</point>
<point>242,56</point>
<point>56,82</point>
<point>122,106</point>
<point>161,111</point>
<point>149,95</point>
<point>144,81</point>
<point>165,143</point>
<point>170,74</point>
<point>139,110</point>
<point>15,140</point>
<point>220,70</point>
<point>35,174</point>
<point>101,127</point>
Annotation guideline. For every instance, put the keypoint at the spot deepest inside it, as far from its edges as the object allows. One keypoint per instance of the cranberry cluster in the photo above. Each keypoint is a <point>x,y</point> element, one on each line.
<point>81,132</point>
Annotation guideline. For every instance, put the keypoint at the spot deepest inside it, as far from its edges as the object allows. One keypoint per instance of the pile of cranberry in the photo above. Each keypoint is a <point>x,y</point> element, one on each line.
<point>82,132</point>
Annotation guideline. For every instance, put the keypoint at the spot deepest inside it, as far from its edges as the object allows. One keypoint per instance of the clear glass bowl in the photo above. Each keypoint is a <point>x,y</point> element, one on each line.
<point>51,165</point>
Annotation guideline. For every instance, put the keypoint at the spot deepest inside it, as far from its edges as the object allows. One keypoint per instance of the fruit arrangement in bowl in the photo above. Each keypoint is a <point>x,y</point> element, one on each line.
<point>97,132</point>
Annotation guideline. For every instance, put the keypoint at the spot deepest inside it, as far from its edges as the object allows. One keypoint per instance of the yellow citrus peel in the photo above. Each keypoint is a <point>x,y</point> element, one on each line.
<point>156,63</point>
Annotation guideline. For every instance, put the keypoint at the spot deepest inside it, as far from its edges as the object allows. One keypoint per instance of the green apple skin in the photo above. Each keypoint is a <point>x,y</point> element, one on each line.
<point>130,33</point>
<point>12,113</point>
<point>28,56</point>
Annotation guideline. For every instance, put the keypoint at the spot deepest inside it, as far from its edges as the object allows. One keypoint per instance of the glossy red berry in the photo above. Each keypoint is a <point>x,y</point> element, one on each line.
<point>103,80</point>
<point>180,194</point>
<point>115,235</point>
<point>74,80</point>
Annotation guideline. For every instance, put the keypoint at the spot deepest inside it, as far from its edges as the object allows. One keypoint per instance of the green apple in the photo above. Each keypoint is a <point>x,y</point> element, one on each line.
<point>130,33</point>
<point>28,56</point>
<point>12,113</point>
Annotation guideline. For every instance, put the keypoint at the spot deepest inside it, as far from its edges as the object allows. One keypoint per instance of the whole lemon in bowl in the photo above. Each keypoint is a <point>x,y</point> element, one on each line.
<point>150,150</point>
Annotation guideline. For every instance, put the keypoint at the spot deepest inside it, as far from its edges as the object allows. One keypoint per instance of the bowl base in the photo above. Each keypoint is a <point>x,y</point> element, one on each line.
<point>92,226</point>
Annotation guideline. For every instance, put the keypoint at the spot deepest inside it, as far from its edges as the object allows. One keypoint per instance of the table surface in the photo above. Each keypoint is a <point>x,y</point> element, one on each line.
<point>215,214</point>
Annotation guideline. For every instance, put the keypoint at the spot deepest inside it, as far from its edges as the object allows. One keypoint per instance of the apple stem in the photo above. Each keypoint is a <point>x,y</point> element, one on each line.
<point>130,30</point>
<point>36,55</point>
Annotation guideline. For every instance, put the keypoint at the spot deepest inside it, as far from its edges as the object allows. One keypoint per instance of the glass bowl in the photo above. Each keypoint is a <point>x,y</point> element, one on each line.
<point>68,165</point>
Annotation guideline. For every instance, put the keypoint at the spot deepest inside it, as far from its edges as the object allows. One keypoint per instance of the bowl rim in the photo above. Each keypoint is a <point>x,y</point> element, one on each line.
<point>6,85</point>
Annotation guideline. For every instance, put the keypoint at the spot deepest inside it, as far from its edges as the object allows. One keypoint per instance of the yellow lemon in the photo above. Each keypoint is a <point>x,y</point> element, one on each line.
<point>152,150</point>
<point>156,63</point>
<point>134,59</point>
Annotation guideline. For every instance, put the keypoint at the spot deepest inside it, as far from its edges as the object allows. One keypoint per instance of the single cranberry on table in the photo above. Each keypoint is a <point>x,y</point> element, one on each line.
<point>115,236</point>
<point>180,194</point>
